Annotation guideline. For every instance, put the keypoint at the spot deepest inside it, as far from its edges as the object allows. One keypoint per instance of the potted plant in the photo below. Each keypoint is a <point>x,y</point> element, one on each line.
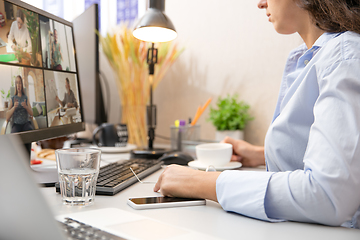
<point>6,97</point>
<point>230,117</point>
<point>23,56</point>
<point>33,27</point>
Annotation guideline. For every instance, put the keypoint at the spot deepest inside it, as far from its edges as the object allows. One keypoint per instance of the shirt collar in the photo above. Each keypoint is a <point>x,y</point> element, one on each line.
<point>324,38</point>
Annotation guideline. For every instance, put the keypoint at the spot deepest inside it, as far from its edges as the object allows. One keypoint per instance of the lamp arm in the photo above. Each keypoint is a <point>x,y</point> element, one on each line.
<point>152,56</point>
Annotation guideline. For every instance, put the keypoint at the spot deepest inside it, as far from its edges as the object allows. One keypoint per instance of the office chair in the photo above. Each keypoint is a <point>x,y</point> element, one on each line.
<point>6,123</point>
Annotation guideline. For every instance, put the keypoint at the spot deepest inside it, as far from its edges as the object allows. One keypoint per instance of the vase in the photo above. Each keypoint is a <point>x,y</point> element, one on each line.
<point>134,116</point>
<point>235,134</point>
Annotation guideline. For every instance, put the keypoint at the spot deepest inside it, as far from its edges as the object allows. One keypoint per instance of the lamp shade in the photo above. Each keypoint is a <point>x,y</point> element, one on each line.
<point>155,26</point>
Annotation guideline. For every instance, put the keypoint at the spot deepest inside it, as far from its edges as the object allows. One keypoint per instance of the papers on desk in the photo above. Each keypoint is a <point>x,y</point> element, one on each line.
<point>9,49</point>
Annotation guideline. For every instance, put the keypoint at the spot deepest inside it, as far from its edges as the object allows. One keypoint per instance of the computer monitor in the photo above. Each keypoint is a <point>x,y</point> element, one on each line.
<point>39,78</point>
<point>86,27</point>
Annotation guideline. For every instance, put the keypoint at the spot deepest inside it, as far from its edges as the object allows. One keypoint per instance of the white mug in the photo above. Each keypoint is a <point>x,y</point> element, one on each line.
<point>216,154</point>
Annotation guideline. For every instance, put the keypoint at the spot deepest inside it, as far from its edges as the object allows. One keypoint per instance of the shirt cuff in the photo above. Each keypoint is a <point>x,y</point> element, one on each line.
<point>244,192</point>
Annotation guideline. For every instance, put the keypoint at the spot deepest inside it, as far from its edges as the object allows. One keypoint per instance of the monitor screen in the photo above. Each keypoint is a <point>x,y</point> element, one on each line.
<point>39,82</point>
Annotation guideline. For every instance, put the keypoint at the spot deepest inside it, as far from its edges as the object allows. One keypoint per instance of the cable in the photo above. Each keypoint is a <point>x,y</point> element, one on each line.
<point>163,137</point>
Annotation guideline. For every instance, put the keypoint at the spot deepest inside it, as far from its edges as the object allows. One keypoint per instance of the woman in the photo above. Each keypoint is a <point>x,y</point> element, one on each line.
<point>19,109</point>
<point>312,148</point>
<point>19,37</point>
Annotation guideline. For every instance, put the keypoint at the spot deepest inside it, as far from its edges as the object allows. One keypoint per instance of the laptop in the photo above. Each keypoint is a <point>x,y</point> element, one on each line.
<point>25,214</point>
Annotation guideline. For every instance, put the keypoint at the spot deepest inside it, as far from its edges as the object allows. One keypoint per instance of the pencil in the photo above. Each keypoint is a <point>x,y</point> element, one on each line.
<point>206,104</point>
<point>196,114</point>
<point>200,111</point>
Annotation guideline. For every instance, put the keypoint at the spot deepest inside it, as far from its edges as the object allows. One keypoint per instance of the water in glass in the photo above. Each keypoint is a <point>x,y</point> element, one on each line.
<point>78,186</point>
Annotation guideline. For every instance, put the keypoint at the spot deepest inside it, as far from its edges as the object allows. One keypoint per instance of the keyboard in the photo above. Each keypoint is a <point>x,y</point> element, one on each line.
<point>117,176</point>
<point>77,230</point>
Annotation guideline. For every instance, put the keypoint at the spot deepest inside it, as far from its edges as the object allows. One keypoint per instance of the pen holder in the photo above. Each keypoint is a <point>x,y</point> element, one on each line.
<point>183,136</point>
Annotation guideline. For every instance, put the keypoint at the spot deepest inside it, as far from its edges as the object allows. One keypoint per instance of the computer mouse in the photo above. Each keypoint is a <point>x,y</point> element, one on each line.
<point>180,158</point>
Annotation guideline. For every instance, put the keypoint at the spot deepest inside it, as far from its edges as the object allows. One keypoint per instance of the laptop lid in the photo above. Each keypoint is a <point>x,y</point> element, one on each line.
<point>24,213</point>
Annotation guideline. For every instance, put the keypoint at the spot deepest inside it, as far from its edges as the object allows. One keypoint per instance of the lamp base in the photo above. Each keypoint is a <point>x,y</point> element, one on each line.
<point>147,153</point>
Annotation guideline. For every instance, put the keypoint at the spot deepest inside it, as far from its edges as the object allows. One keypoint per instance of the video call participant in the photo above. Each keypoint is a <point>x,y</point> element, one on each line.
<point>56,56</point>
<point>19,109</point>
<point>69,97</point>
<point>312,147</point>
<point>19,37</point>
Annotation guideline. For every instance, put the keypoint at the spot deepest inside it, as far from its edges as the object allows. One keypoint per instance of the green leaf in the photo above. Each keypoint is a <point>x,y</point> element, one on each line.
<point>230,114</point>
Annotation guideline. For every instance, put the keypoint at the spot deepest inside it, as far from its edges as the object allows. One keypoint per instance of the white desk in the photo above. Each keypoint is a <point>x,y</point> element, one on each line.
<point>210,219</point>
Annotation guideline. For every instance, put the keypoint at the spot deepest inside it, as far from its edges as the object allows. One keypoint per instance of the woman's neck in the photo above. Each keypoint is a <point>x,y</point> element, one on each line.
<point>310,33</point>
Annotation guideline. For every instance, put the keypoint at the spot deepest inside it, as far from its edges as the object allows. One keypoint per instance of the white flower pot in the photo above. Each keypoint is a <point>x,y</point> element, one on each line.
<point>235,134</point>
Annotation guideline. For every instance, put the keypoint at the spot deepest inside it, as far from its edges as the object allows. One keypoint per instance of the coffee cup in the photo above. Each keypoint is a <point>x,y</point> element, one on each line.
<point>215,154</point>
<point>110,135</point>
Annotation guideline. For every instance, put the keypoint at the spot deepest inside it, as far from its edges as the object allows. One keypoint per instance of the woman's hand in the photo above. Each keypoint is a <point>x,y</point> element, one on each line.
<point>16,104</point>
<point>70,105</point>
<point>180,181</point>
<point>249,155</point>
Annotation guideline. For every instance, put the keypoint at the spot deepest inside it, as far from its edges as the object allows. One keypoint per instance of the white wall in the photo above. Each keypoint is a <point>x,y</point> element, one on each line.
<point>230,47</point>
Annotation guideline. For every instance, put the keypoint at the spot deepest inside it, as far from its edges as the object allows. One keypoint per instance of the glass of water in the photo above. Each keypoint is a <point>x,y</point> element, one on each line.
<point>78,170</point>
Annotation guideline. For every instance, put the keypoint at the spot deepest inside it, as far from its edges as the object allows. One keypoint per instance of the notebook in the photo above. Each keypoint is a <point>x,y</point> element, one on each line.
<point>24,213</point>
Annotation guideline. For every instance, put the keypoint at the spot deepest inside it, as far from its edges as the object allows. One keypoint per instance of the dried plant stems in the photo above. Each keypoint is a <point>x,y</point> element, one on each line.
<point>127,57</point>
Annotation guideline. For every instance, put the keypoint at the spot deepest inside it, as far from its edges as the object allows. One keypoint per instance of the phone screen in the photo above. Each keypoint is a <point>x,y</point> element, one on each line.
<point>150,200</point>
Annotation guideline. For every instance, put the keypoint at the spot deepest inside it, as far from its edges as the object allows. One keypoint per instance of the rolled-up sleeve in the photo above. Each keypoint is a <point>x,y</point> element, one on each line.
<point>243,192</point>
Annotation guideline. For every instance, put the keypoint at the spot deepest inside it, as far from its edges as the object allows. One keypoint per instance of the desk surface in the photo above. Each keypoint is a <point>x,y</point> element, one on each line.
<point>210,219</point>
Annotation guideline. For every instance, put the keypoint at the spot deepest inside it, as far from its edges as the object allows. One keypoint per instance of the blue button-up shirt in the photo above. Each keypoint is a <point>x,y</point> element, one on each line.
<point>312,148</point>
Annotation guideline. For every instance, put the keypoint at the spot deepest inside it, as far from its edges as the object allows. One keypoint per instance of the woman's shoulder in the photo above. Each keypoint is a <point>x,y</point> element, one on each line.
<point>345,46</point>
<point>13,24</point>
<point>342,48</point>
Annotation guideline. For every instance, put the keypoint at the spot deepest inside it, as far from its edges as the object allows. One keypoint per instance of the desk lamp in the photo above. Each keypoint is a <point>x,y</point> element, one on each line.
<point>153,27</point>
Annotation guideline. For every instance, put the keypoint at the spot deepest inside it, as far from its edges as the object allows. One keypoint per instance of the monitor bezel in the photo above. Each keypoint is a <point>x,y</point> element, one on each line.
<point>56,131</point>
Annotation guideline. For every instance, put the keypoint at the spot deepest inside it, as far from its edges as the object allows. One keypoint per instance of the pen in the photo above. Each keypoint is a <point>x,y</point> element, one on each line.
<point>179,124</point>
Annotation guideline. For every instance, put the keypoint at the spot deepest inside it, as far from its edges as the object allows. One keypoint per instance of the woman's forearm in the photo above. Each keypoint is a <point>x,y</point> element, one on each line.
<point>9,113</point>
<point>29,110</point>
<point>205,185</point>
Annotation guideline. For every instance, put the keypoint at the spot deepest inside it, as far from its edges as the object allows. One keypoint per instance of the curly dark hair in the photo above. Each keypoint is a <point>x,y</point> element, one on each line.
<point>334,15</point>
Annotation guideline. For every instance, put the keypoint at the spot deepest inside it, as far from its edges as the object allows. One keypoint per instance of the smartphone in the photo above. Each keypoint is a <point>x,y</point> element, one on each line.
<point>163,202</point>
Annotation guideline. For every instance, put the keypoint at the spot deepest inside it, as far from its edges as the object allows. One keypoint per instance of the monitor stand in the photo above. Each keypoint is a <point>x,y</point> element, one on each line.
<point>28,149</point>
